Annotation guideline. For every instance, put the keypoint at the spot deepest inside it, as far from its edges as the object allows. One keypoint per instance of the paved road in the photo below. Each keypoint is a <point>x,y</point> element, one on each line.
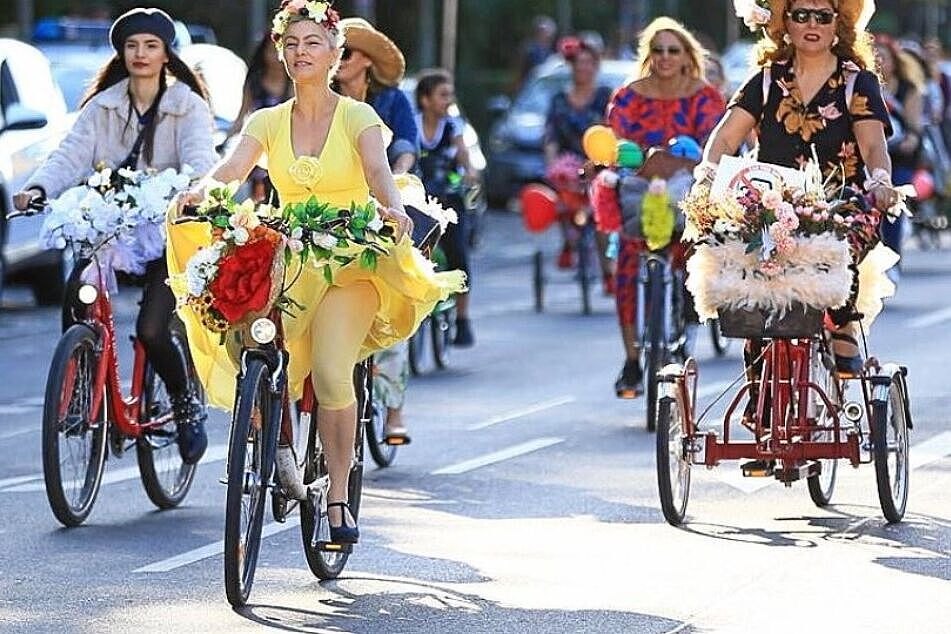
<point>526,503</point>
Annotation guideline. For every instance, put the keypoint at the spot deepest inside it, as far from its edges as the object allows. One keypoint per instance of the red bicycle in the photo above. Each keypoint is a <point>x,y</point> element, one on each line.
<point>804,420</point>
<point>85,412</point>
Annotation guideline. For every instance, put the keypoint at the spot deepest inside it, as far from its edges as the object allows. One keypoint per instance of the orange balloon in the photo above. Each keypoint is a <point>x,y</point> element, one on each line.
<point>600,144</point>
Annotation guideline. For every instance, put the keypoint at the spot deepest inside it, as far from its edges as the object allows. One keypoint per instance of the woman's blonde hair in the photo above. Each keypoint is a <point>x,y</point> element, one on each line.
<point>692,48</point>
<point>853,44</point>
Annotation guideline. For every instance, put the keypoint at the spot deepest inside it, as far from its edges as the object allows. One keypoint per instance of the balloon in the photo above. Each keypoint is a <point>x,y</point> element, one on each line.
<point>629,154</point>
<point>600,144</point>
<point>539,207</point>
<point>923,182</point>
<point>685,146</point>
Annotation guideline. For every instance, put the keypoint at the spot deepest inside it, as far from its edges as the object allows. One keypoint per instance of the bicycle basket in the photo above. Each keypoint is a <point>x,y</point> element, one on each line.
<point>798,322</point>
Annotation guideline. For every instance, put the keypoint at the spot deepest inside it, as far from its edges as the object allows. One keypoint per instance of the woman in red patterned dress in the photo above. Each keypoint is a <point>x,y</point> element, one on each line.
<point>669,98</point>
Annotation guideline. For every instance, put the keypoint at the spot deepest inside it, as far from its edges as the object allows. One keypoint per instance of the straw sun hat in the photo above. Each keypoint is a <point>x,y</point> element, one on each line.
<point>389,65</point>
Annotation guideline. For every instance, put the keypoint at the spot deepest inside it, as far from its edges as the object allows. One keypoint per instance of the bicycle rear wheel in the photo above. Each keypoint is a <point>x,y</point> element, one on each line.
<point>890,448</point>
<point>165,477</point>
<point>382,453</point>
<point>721,344</point>
<point>585,267</point>
<point>250,462</point>
<point>673,464</point>
<point>443,322</point>
<point>323,562</point>
<point>538,281</point>
<point>656,355</point>
<point>822,486</point>
<point>74,436</point>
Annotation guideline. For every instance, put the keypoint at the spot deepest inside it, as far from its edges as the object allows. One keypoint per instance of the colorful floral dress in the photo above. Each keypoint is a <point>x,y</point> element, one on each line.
<point>651,122</point>
<point>789,129</point>
<point>405,281</point>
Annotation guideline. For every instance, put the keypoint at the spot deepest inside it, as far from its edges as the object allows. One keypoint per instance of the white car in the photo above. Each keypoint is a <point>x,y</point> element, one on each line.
<point>33,119</point>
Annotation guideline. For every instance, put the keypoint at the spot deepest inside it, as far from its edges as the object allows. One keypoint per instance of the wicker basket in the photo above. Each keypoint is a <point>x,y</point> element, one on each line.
<point>798,322</point>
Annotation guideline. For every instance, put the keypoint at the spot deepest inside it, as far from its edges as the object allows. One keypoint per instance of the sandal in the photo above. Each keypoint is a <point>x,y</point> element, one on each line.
<point>396,436</point>
<point>343,534</point>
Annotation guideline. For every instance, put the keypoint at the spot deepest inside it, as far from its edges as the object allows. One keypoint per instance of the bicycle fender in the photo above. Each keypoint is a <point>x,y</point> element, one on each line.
<point>883,379</point>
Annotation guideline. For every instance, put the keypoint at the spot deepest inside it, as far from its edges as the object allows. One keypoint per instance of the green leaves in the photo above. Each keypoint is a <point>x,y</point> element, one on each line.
<point>368,260</point>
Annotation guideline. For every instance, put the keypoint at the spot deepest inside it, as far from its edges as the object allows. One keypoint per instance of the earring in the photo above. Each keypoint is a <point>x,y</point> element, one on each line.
<point>787,38</point>
<point>835,41</point>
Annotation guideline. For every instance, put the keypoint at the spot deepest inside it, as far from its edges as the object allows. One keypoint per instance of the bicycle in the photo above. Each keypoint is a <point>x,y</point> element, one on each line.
<point>436,331</point>
<point>803,421</point>
<point>85,412</point>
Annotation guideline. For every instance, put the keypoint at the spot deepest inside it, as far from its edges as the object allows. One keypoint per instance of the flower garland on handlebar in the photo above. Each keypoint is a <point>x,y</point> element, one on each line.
<point>117,214</point>
<point>240,275</point>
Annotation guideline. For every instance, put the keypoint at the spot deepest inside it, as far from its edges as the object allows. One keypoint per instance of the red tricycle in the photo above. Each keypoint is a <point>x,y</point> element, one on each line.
<point>802,415</point>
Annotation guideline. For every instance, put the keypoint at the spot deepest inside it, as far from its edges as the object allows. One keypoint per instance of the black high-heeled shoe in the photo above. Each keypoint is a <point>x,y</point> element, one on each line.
<point>343,534</point>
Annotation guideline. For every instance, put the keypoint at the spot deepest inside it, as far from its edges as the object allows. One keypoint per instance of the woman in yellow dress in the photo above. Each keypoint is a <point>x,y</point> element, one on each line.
<point>321,144</point>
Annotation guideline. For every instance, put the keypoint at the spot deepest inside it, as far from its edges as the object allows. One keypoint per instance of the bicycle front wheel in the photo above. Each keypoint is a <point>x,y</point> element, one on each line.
<point>673,462</point>
<point>165,476</point>
<point>250,461</point>
<point>656,355</point>
<point>74,436</point>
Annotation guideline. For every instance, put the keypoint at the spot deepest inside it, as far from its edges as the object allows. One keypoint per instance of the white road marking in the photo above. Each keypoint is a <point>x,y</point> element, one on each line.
<point>214,549</point>
<point>930,319</point>
<point>525,411</point>
<point>34,483</point>
<point>20,432</point>
<point>931,450</point>
<point>712,389</point>
<point>498,456</point>
<point>16,410</point>
<point>922,454</point>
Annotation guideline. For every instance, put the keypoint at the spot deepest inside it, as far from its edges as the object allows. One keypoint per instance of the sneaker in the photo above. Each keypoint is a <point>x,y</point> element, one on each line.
<point>566,259</point>
<point>190,416</point>
<point>464,338</point>
<point>630,382</point>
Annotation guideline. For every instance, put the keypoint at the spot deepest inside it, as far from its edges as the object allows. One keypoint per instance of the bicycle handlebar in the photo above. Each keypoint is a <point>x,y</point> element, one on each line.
<point>37,205</point>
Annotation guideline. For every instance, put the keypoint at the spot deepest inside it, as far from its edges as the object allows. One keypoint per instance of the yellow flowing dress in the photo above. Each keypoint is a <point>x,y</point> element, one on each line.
<point>405,280</point>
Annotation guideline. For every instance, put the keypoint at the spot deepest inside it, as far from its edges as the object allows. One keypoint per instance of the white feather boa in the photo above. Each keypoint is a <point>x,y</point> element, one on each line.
<point>725,275</point>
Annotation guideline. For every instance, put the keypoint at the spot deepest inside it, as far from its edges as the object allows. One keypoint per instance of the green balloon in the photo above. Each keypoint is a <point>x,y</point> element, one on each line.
<point>629,154</point>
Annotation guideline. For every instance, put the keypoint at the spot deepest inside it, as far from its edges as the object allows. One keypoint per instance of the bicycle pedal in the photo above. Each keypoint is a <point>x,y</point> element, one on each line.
<point>331,547</point>
<point>758,468</point>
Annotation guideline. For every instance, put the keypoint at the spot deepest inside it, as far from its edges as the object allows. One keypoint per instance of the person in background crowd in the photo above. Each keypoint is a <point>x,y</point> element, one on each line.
<point>903,83</point>
<point>265,85</point>
<point>145,109</point>
<point>442,154</point>
<point>572,111</point>
<point>371,68</point>
<point>669,97</point>
<point>536,49</point>
<point>934,53</point>
<point>715,75</point>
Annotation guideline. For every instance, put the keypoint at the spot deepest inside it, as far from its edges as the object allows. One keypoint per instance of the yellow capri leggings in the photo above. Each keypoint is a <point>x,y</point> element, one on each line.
<point>341,324</point>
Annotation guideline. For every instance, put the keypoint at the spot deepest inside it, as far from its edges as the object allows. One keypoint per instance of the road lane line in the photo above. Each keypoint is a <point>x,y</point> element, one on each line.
<point>19,432</point>
<point>16,409</point>
<point>931,450</point>
<point>525,411</point>
<point>34,483</point>
<point>713,389</point>
<point>214,549</point>
<point>930,319</point>
<point>498,456</point>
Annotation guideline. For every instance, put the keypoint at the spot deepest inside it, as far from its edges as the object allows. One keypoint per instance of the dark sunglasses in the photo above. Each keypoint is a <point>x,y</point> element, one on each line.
<point>801,16</point>
<point>347,53</point>
<point>670,50</point>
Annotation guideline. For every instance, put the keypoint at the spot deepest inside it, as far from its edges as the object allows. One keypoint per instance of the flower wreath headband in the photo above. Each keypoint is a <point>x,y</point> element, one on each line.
<point>756,14</point>
<point>319,12</point>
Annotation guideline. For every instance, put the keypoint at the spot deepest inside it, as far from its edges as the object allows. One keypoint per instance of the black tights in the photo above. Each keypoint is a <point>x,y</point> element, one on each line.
<point>152,327</point>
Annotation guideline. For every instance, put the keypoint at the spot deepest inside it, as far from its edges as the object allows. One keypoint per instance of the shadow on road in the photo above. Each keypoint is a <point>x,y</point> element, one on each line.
<point>395,605</point>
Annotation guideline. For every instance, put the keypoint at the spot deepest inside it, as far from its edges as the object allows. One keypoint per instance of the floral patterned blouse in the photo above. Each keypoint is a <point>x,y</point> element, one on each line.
<point>565,124</point>
<point>789,129</point>
<point>650,122</point>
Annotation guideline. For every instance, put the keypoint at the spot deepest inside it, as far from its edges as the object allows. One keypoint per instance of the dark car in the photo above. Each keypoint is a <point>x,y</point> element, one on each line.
<point>516,156</point>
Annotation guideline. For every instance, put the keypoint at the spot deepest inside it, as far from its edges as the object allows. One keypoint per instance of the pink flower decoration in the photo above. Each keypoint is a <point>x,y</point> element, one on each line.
<point>778,232</point>
<point>829,112</point>
<point>296,5</point>
<point>789,221</point>
<point>770,268</point>
<point>786,247</point>
<point>772,199</point>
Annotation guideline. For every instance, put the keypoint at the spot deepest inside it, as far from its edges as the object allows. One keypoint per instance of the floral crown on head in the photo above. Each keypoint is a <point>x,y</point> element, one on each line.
<point>319,12</point>
<point>754,13</point>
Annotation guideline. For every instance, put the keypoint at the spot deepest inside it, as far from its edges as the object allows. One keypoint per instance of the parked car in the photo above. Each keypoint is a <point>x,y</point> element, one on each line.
<point>516,156</point>
<point>33,119</point>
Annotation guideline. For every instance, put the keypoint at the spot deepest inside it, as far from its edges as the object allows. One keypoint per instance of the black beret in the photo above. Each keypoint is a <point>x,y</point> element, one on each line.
<point>154,21</point>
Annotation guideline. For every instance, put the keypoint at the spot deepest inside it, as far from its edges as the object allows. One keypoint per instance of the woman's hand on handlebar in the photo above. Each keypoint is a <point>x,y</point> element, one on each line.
<point>404,224</point>
<point>22,199</point>
<point>189,199</point>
